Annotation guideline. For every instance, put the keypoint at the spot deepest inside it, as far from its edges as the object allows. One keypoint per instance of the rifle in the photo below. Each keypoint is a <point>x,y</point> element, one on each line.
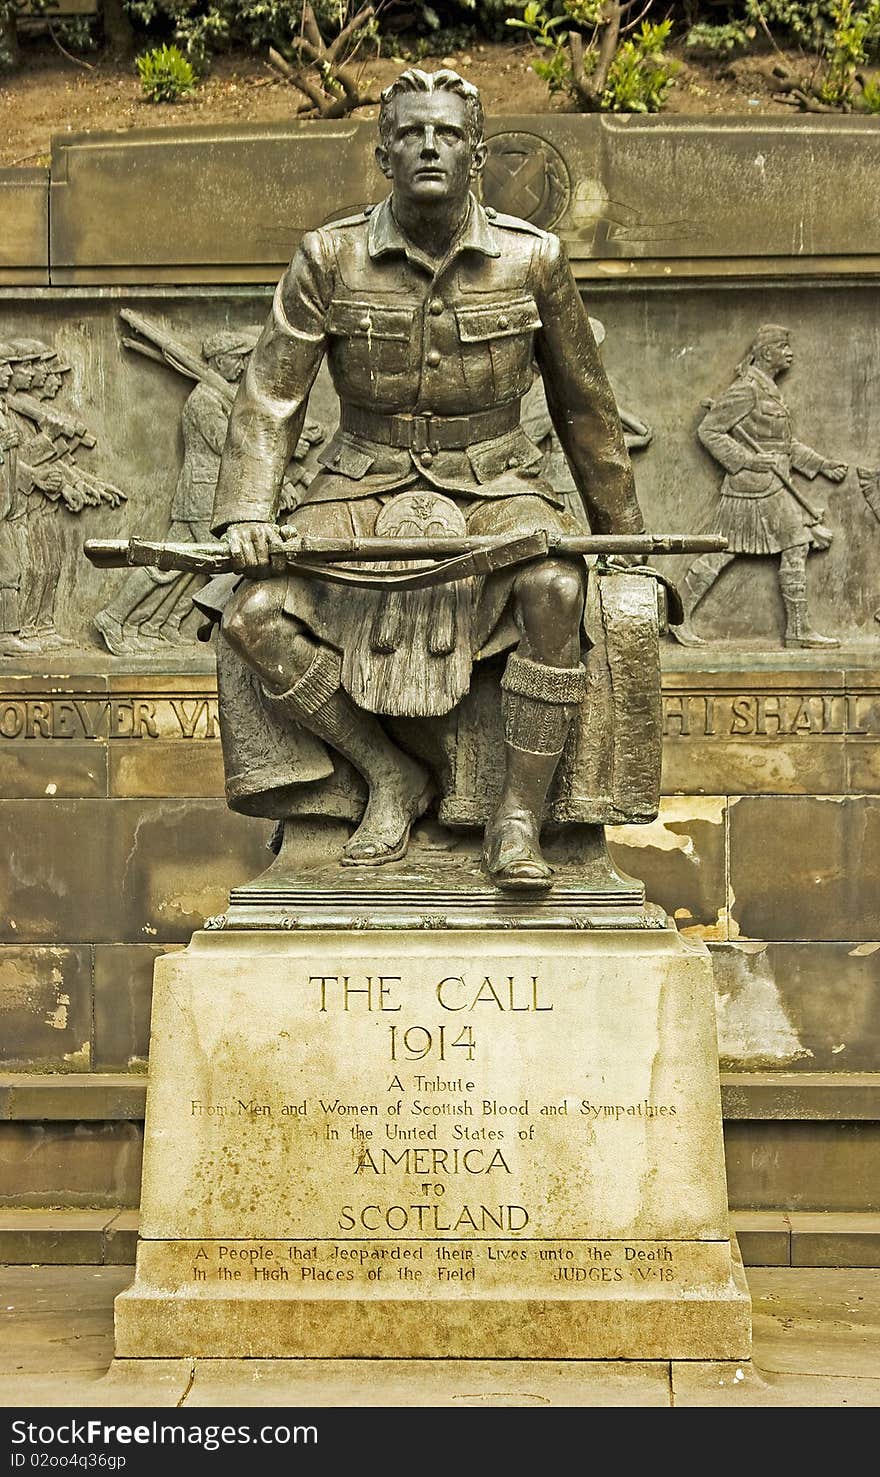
<point>169,351</point>
<point>453,558</point>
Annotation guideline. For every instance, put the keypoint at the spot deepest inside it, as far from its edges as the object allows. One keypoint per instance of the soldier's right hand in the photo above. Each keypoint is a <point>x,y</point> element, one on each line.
<point>251,546</point>
<point>771,461</point>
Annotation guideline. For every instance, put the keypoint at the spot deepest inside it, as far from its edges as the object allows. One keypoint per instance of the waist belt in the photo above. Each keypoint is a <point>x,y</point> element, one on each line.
<point>430,432</point>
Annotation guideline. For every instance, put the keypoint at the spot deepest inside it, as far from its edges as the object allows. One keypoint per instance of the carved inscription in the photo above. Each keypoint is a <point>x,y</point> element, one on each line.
<point>766,716</point>
<point>770,715</point>
<point>430,1173</point>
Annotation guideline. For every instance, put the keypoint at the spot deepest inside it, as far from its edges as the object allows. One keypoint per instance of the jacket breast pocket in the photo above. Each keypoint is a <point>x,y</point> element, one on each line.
<point>496,345</point>
<point>367,337</point>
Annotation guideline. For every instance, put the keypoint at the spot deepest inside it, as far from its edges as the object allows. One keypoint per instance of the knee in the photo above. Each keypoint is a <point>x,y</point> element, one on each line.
<point>249,613</point>
<point>554,590</point>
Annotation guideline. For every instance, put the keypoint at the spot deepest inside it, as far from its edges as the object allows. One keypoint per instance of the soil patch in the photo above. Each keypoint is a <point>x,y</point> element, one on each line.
<point>51,95</point>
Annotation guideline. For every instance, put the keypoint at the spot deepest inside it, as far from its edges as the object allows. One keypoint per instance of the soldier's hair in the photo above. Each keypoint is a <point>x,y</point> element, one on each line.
<point>414,80</point>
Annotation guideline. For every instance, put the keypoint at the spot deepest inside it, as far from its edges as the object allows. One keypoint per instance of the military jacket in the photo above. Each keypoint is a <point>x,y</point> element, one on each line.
<point>753,410</point>
<point>430,361</point>
<point>203,423</point>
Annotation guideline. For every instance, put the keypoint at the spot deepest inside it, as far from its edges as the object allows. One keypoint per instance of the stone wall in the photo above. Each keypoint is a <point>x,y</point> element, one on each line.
<point>116,842</point>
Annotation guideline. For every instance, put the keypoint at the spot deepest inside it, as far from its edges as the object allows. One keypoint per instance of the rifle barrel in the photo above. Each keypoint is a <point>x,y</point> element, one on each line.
<point>115,553</point>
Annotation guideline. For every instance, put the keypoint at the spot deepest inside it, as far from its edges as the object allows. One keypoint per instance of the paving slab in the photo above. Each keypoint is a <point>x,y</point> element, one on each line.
<point>428,1382</point>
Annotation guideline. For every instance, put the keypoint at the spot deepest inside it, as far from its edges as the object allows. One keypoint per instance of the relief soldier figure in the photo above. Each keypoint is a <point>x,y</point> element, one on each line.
<point>45,486</point>
<point>749,431</point>
<point>432,312</point>
<point>151,603</point>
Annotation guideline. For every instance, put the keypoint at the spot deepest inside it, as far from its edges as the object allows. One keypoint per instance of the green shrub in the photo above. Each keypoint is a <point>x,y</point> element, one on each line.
<point>871,95</point>
<point>720,40</point>
<point>165,74</point>
<point>640,75</point>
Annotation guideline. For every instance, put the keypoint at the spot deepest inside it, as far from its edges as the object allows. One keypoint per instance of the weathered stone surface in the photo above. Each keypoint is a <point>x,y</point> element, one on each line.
<point>45,1008</point>
<point>803,1166</point>
<point>24,227</point>
<point>151,870</point>
<point>50,1164</point>
<point>806,1006</point>
<point>681,859</point>
<point>207,204</point>
<point>380,1178</point>
<point>747,731</point>
<point>123,991</point>
<point>166,769</point>
<point>79,1097</point>
<point>784,850</point>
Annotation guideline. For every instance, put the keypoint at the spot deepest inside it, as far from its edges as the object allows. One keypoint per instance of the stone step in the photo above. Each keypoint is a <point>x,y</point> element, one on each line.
<point>766,1238</point>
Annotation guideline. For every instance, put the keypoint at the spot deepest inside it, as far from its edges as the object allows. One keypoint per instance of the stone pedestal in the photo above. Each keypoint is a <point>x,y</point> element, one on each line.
<point>435,1144</point>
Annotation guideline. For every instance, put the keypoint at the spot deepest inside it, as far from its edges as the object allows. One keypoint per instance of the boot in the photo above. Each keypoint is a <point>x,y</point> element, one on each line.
<point>694,586</point>
<point>400,789</point>
<point>538,704</point>
<point>798,631</point>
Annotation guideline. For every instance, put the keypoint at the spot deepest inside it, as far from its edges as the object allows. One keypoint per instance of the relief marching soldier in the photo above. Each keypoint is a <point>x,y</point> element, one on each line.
<point>133,621</point>
<point>749,431</point>
<point>431,311</point>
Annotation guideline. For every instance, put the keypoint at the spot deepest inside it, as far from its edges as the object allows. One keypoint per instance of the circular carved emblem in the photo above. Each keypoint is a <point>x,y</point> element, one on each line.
<point>526,176</point>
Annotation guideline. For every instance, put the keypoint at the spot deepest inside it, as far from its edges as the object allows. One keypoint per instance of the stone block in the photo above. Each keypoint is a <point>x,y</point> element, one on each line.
<point>71,1164</point>
<point>434,1144</point>
<point>167,769</point>
<point>149,870</point>
<point>120,1239</point>
<point>51,1237</point>
<point>24,227</point>
<point>835,1240</point>
<point>45,1008</point>
<point>123,991</point>
<point>50,771</point>
<point>209,204</point>
<point>681,859</point>
<point>803,1166</point>
<point>805,867</point>
<point>77,1097</point>
<point>764,1239</point>
<point>752,731</point>
<point>812,1007</point>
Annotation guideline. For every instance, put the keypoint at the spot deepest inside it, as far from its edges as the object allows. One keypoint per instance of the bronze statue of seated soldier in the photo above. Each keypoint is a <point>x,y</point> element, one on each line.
<point>433,313</point>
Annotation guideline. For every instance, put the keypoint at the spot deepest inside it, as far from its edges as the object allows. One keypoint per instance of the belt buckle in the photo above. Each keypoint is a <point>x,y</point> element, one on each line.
<point>420,434</point>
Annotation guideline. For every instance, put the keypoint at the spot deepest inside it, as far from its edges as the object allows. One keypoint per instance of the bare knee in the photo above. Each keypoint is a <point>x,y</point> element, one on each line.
<point>249,614</point>
<point>553,591</point>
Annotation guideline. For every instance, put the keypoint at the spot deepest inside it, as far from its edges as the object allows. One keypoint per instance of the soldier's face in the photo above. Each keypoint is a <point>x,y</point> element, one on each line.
<point>778,357</point>
<point>5,376</point>
<point>231,366</point>
<point>430,156</point>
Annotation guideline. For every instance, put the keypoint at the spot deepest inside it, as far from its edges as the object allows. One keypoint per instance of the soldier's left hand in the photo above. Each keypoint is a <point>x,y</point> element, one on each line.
<point>626,561</point>
<point>835,471</point>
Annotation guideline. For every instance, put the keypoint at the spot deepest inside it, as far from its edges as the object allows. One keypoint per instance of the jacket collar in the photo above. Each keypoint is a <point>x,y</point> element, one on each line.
<point>386,236</point>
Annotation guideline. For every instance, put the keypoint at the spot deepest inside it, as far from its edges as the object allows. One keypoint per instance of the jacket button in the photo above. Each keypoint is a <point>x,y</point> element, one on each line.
<point>504,321</point>
<point>337,459</point>
<point>433,357</point>
<point>513,461</point>
<point>427,457</point>
<point>365,324</point>
<point>435,306</point>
